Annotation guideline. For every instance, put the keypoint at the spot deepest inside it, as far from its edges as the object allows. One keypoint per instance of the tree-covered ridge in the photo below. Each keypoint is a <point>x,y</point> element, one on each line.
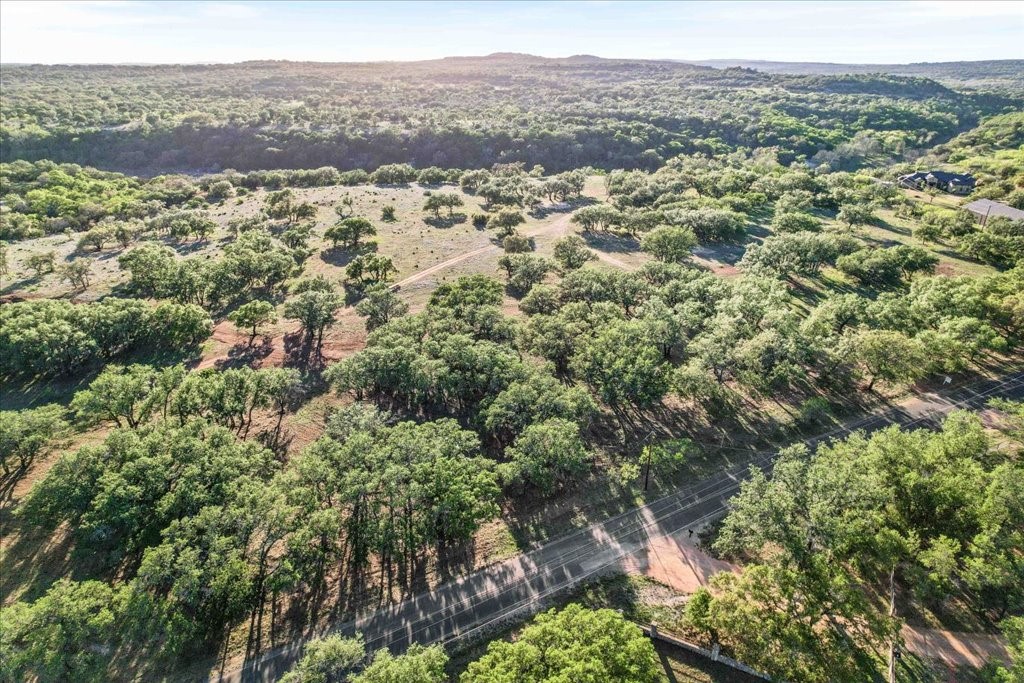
<point>1005,131</point>
<point>1000,73</point>
<point>464,113</point>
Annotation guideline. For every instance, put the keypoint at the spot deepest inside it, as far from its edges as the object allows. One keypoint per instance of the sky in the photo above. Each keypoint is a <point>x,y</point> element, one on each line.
<point>112,31</point>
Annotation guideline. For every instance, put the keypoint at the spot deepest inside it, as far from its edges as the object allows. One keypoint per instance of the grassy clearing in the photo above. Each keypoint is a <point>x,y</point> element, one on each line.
<point>949,201</point>
<point>415,241</point>
<point>891,230</point>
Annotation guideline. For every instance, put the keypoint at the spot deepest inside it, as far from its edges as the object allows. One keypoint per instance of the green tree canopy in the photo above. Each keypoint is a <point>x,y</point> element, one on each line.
<point>572,644</point>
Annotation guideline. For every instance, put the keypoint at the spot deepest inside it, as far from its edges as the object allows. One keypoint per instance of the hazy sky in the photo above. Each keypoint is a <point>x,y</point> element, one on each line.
<point>874,32</point>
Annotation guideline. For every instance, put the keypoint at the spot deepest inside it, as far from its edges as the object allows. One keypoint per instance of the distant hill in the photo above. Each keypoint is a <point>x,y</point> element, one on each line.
<point>1002,71</point>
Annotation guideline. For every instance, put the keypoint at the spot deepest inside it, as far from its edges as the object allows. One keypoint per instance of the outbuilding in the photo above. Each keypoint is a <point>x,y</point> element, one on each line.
<point>986,208</point>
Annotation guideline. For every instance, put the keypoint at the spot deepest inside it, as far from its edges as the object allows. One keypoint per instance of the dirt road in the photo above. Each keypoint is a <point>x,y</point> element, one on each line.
<point>954,648</point>
<point>557,228</point>
<point>227,337</point>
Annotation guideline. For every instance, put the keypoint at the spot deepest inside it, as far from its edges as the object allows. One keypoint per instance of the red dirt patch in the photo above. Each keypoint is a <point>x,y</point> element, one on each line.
<point>230,347</point>
<point>676,561</point>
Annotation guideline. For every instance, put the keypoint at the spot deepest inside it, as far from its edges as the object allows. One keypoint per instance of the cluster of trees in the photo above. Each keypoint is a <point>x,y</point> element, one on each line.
<point>177,224</point>
<point>631,338</point>
<point>714,198</point>
<point>284,205</point>
<point>573,643</point>
<point>389,491</point>
<point>48,337</point>
<point>805,253</point>
<point>569,645</point>
<point>134,395</point>
<point>524,270</point>
<point>27,434</point>
<point>205,522</point>
<point>560,114</point>
<point>998,241</point>
<point>186,508</point>
<point>886,266</point>
<point>338,659</point>
<point>992,151</point>
<point>798,253</point>
<point>350,231</point>
<point>457,357</point>
<point>899,513</point>
<point>370,269</point>
<point>254,262</point>
<point>45,197</point>
<point>442,200</point>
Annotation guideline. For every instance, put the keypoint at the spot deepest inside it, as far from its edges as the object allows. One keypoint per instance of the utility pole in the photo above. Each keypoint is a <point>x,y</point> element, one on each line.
<point>647,473</point>
<point>647,451</point>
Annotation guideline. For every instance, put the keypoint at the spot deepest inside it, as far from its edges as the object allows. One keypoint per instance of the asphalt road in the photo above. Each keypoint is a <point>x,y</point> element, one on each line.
<point>477,602</point>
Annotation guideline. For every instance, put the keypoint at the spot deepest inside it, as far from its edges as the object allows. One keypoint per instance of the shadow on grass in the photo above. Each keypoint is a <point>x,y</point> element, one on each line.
<point>568,206</point>
<point>445,221</point>
<point>611,243</point>
<point>342,256</point>
<point>11,287</point>
<point>883,224</point>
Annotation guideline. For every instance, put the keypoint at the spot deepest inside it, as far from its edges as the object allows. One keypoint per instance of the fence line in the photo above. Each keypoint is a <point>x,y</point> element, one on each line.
<point>714,654</point>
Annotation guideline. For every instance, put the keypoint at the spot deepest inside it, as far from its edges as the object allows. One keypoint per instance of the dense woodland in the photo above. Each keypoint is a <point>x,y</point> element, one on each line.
<point>463,113</point>
<point>233,395</point>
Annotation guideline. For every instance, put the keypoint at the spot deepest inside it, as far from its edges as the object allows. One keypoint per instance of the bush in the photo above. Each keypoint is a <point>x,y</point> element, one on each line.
<point>517,244</point>
<point>393,174</point>
<point>795,222</point>
<point>219,191</point>
<point>431,176</point>
<point>355,177</point>
<point>814,412</point>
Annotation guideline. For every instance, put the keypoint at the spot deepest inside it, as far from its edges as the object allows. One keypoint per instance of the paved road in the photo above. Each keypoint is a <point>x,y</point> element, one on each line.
<point>469,606</point>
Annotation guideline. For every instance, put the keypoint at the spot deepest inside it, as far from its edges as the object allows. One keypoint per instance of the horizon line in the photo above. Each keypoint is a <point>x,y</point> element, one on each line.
<point>695,62</point>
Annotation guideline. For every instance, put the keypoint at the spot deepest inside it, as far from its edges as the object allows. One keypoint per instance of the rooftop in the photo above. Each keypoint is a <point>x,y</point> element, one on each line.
<point>987,207</point>
<point>941,176</point>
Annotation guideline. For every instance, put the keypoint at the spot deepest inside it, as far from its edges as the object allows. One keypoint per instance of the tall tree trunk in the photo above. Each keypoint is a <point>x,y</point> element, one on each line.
<point>892,614</point>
